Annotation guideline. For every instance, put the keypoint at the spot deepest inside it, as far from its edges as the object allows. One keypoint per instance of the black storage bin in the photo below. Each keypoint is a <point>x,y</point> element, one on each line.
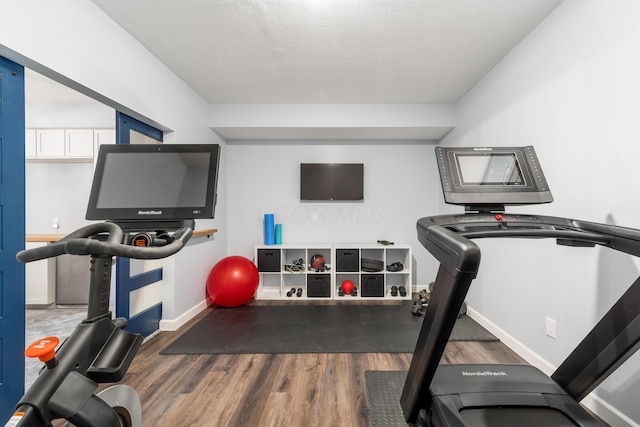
<point>372,285</point>
<point>269,260</point>
<point>347,260</point>
<point>318,286</point>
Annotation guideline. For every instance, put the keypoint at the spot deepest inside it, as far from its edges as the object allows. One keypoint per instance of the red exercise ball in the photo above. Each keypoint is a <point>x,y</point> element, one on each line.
<point>233,281</point>
<point>347,286</point>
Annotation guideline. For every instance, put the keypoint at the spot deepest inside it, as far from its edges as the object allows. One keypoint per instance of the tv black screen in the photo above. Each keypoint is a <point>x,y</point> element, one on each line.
<point>154,182</point>
<point>331,181</point>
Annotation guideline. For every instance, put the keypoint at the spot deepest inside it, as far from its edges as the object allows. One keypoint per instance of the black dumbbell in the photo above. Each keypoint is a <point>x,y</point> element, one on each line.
<point>403,291</point>
<point>417,309</point>
<point>299,293</point>
<point>394,291</point>
<point>422,295</point>
<point>291,292</point>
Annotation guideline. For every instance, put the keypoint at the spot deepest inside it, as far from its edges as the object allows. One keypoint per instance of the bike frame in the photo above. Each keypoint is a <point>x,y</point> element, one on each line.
<point>99,350</point>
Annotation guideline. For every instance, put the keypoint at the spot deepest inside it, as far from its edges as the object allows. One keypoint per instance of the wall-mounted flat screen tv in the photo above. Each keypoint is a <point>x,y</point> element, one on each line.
<point>154,182</point>
<point>331,181</point>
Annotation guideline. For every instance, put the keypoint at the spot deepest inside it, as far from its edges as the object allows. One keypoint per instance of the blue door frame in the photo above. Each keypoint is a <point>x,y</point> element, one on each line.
<point>12,236</point>
<point>148,321</point>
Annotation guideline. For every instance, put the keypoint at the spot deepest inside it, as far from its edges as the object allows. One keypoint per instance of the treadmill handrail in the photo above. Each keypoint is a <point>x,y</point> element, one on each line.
<point>623,239</point>
<point>459,261</point>
<point>447,238</point>
<point>448,246</point>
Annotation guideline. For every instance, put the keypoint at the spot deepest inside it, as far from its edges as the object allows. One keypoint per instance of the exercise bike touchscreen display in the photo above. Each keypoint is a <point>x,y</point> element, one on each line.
<point>154,182</point>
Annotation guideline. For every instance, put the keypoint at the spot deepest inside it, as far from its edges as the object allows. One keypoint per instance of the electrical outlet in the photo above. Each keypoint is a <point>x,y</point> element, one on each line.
<point>56,223</point>
<point>550,328</point>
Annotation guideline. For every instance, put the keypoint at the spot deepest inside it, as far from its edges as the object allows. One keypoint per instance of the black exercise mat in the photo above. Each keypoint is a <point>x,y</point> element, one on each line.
<point>384,389</point>
<point>343,328</point>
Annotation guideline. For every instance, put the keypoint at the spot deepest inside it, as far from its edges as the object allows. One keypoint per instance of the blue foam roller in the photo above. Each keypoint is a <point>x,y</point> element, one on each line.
<point>269,230</point>
<point>278,234</point>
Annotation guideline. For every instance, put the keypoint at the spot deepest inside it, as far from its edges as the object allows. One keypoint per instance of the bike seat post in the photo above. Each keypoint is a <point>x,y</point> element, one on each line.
<point>100,286</point>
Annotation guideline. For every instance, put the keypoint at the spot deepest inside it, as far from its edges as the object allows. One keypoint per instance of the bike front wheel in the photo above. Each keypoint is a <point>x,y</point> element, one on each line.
<point>125,402</point>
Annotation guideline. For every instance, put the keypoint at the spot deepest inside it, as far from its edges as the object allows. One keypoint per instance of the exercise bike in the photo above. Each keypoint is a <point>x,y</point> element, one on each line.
<point>99,350</point>
<point>152,218</point>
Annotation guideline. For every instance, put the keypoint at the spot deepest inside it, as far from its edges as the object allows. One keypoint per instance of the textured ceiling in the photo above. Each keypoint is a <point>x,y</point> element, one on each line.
<point>329,51</point>
<point>321,52</point>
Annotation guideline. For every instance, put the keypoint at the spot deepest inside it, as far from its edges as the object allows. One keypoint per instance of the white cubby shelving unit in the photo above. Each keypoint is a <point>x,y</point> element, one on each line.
<point>286,272</point>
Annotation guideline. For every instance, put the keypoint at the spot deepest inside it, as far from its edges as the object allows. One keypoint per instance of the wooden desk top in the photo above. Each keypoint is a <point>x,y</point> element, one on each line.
<point>47,238</point>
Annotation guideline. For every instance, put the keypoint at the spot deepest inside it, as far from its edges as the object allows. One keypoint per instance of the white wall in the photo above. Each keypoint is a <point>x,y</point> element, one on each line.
<point>401,185</point>
<point>57,190</point>
<point>571,89</point>
<point>96,116</point>
<point>92,54</point>
<point>61,190</point>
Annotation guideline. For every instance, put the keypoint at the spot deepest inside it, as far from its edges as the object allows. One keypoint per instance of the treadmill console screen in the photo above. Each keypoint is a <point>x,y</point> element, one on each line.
<point>154,182</point>
<point>483,177</point>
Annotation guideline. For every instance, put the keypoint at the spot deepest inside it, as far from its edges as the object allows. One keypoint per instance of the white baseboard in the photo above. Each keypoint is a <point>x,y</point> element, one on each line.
<point>174,324</point>
<point>150,336</point>
<point>608,413</point>
<point>599,407</point>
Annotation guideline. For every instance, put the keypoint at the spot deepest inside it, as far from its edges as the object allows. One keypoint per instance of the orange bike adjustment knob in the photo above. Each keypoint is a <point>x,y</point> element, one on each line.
<point>44,349</point>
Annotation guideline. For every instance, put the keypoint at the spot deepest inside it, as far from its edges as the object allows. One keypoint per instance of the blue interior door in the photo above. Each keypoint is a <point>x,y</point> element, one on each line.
<point>138,284</point>
<point>12,235</point>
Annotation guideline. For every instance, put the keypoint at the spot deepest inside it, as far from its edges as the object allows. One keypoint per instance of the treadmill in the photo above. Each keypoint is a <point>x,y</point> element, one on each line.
<point>484,180</point>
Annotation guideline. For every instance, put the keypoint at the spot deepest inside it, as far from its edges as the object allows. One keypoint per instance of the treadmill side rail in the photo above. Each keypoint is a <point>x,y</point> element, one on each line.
<point>446,237</point>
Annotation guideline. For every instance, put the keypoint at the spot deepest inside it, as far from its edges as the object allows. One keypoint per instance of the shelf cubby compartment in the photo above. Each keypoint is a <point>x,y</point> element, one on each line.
<point>293,261</point>
<point>269,260</point>
<point>270,286</point>
<point>341,278</point>
<point>319,286</point>
<point>372,285</point>
<point>347,260</point>
<point>324,252</point>
<point>401,255</point>
<point>374,254</point>
<point>294,285</point>
<point>398,280</point>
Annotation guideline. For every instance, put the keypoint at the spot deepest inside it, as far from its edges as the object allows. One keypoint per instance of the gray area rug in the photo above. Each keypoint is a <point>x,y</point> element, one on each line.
<point>344,328</point>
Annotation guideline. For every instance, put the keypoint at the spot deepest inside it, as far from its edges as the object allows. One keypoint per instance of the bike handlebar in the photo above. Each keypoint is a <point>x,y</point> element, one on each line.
<point>80,242</point>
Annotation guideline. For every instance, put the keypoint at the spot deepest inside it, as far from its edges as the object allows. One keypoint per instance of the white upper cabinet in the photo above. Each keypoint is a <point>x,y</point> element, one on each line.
<point>50,143</point>
<point>53,145</point>
<point>30,142</point>
<point>78,143</point>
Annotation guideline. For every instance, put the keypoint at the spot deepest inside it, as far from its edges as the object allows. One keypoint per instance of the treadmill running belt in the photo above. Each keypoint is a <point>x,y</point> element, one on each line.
<point>515,416</point>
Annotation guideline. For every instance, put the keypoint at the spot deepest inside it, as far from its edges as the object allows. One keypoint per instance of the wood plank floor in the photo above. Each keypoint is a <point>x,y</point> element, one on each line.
<point>270,389</point>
